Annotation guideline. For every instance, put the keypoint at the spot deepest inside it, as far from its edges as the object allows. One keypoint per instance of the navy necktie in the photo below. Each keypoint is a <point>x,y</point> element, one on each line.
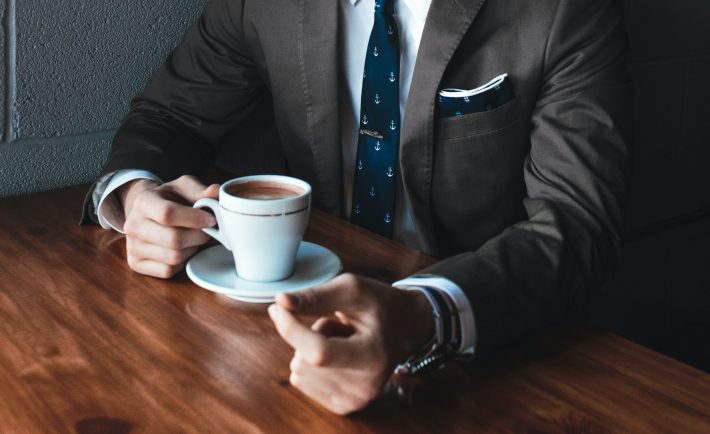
<point>375,181</point>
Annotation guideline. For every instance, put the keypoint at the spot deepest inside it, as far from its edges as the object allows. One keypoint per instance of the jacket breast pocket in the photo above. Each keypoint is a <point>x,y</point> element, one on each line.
<point>477,179</point>
<point>473,124</point>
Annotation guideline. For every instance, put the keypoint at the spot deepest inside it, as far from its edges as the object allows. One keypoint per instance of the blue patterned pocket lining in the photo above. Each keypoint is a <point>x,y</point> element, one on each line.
<point>458,102</point>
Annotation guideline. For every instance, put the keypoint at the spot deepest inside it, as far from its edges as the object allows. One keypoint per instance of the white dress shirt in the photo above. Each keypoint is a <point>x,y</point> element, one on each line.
<point>357,17</point>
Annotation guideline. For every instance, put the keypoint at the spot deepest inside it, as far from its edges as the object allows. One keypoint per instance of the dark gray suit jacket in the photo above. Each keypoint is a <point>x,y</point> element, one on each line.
<point>524,203</point>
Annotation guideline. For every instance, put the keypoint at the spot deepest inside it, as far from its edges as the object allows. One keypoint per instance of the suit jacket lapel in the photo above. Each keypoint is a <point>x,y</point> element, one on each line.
<point>446,24</point>
<point>318,62</point>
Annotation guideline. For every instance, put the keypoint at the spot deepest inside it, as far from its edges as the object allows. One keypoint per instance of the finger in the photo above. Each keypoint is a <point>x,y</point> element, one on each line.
<point>326,387</point>
<point>320,393</point>
<point>173,238</point>
<point>191,189</point>
<point>298,336</point>
<point>342,318</point>
<point>143,250</point>
<point>211,191</point>
<point>332,327</point>
<point>316,348</point>
<point>154,268</point>
<point>173,214</point>
<point>342,293</point>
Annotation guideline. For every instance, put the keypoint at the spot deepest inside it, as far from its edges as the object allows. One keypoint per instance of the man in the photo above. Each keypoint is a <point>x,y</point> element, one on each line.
<point>522,199</point>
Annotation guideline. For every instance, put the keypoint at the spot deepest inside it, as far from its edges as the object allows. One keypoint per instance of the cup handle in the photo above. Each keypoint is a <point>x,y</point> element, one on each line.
<point>218,233</point>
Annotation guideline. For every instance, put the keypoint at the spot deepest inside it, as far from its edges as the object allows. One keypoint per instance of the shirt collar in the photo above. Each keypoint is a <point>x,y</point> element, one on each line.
<point>418,8</point>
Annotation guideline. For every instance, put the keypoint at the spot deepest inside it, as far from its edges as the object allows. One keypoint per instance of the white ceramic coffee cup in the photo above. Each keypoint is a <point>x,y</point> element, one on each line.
<point>263,235</point>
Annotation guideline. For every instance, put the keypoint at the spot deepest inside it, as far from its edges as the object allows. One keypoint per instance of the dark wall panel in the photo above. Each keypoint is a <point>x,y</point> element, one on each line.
<point>670,66</point>
<point>672,142</point>
<point>662,29</point>
<point>661,294</point>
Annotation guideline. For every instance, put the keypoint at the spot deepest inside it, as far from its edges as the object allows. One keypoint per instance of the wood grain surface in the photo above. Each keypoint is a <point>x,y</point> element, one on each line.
<point>88,346</point>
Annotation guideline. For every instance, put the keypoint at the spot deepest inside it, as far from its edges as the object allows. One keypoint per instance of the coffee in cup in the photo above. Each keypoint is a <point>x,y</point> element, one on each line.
<point>263,190</point>
<point>261,220</point>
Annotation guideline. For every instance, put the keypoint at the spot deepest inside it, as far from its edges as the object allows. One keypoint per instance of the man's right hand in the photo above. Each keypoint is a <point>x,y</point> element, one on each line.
<point>162,229</point>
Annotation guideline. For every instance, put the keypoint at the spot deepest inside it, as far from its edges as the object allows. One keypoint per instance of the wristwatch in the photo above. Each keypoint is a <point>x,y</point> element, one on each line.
<point>445,342</point>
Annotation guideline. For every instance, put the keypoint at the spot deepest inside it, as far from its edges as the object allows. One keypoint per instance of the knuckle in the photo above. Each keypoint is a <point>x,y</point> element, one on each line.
<point>295,366</point>
<point>186,178</point>
<point>174,241</point>
<point>349,278</point>
<point>166,272</point>
<point>319,355</point>
<point>341,406</point>
<point>165,213</point>
<point>132,261</point>
<point>294,379</point>
<point>338,409</point>
<point>172,260</point>
<point>352,282</point>
<point>174,257</point>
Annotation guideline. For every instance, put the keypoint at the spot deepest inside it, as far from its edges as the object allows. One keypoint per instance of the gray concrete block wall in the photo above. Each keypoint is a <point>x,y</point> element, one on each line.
<point>35,165</point>
<point>76,66</point>
<point>4,31</point>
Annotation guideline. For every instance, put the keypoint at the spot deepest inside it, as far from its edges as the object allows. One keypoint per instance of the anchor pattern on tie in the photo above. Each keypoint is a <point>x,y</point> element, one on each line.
<point>375,181</point>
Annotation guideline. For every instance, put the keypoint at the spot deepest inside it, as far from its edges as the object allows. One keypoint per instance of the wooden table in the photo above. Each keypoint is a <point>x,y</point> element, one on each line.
<point>88,346</point>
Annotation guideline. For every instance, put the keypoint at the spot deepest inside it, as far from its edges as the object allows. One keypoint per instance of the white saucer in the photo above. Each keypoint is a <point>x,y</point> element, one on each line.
<point>213,269</point>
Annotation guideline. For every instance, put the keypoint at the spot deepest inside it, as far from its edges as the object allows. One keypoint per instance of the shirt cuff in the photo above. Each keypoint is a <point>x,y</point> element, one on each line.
<point>108,209</point>
<point>468,325</point>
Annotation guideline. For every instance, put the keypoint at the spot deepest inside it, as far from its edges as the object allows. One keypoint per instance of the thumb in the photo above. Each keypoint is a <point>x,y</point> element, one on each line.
<point>340,294</point>
<point>212,191</point>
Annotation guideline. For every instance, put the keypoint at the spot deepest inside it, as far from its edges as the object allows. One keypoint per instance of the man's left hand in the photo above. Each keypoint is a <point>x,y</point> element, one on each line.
<point>366,327</point>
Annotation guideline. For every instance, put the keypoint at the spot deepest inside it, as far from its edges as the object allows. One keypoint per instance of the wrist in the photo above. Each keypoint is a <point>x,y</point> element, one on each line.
<point>423,326</point>
<point>128,192</point>
<point>443,344</point>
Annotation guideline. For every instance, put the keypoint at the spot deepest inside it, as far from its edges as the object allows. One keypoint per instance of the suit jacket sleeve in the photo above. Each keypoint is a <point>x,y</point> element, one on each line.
<point>207,86</point>
<point>541,269</point>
